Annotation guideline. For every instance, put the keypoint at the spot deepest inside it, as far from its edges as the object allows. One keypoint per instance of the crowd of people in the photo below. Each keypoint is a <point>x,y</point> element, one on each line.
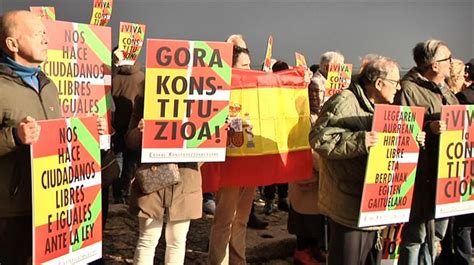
<point>340,138</point>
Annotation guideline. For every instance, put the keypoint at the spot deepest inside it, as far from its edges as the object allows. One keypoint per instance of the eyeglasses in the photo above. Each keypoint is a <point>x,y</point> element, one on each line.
<point>397,82</point>
<point>450,59</point>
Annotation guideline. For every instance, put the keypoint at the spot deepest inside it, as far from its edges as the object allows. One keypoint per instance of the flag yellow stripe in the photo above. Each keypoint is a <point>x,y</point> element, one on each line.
<point>278,118</point>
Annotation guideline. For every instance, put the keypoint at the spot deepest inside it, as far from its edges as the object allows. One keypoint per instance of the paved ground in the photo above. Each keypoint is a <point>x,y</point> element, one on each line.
<point>272,246</point>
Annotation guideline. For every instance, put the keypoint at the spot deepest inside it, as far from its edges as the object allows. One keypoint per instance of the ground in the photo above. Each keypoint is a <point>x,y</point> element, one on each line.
<point>272,246</point>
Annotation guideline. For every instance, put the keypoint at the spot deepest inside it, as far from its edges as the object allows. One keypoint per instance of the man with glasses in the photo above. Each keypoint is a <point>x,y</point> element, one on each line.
<point>342,137</point>
<point>424,86</point>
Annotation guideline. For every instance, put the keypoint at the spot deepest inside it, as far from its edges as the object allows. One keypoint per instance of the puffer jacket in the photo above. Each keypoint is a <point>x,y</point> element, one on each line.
<point>418,91</point>
<point>182,201</point>
<point>339,138</point>
<point>18,100</point>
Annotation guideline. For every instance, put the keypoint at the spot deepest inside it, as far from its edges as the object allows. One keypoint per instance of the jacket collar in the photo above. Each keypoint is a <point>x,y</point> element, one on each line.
<point>415,76</point>
<point>361,96</point>
<point>443,90</point>
<point>7,72</point>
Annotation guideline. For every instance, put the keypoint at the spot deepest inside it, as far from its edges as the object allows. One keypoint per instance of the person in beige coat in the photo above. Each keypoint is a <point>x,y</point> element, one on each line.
<point>176,205</point>
<point>304,218</point>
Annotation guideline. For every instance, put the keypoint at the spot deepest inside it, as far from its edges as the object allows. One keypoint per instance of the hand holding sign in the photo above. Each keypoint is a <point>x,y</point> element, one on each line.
<point>437,127</point>
<point>28,130</point>
<point>102,125</point>
<point>141,125</point>
<point>371,139</point>
<point>420,138</point>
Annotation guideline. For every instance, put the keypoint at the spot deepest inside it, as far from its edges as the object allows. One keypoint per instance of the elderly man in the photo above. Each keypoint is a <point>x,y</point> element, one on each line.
<point>342,137</point>
<point>318,82</point>
<point>26,95</point>
<point>424,85</point>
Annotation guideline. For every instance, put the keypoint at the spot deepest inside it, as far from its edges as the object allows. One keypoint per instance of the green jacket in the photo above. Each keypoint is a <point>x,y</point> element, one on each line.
<point>339,138</point>
<point>418,91</point>
<point>18,100</point>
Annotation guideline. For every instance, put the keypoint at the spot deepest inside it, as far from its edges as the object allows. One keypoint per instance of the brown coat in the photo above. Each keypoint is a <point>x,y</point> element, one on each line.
<point>185,197</point>
<point>303,194</point>
<point>127,83</point>
<point>418,91</point>
<point>18,100</point>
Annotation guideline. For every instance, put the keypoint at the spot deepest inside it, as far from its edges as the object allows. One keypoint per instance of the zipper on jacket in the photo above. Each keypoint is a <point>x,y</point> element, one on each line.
<point>42,106</point>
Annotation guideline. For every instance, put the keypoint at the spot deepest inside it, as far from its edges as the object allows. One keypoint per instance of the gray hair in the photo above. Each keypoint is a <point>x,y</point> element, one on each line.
<point>237,39</point>
<point>378,67</point>
<point>367,58</point>
<point>425,53</point>
<point>332,57</point>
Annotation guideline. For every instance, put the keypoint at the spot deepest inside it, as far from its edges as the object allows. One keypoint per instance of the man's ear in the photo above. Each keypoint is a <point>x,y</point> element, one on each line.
<point>378,84</point>
<point>435,67</point>
<point>12,44</point>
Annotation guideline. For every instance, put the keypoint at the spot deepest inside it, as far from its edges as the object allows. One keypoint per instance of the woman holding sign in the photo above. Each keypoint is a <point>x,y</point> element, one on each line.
<point>176,204</point>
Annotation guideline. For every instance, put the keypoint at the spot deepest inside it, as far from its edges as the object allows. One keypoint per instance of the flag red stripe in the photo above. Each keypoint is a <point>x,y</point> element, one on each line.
<point>257,170</point>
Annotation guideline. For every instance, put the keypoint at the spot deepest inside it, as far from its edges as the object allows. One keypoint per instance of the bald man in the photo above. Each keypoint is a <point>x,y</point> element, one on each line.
<point>26,95</point>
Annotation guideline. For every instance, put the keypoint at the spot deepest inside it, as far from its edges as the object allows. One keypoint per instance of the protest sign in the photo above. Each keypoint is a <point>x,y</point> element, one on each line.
<point>338,78</point>
<point>392,236</point>
<point>267,63</point>
<point>391,166</point>
<point>186,100</point>
<point>131,39</point>
<point>45,12</point>
<point>101,12</point>
<point>300,60</point>
<point>454,189</point>
<point>79,63</point>
<point>66,188</point>
<point>267,140</point>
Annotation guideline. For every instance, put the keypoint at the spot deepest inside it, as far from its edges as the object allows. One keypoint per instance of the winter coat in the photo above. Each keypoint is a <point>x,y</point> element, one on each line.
<point>127,83</point>
<point>466,96</point>
<point>18,100</point>
<point>418,91</point>
<point>339,138</point>
<point>182,201</point>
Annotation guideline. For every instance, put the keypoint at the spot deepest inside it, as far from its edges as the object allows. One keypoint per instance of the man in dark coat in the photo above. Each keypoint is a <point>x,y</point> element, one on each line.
<point>424,85</point>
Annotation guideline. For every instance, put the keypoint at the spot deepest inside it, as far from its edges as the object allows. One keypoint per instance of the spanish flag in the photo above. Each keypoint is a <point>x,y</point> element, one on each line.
<point>267,139</point>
